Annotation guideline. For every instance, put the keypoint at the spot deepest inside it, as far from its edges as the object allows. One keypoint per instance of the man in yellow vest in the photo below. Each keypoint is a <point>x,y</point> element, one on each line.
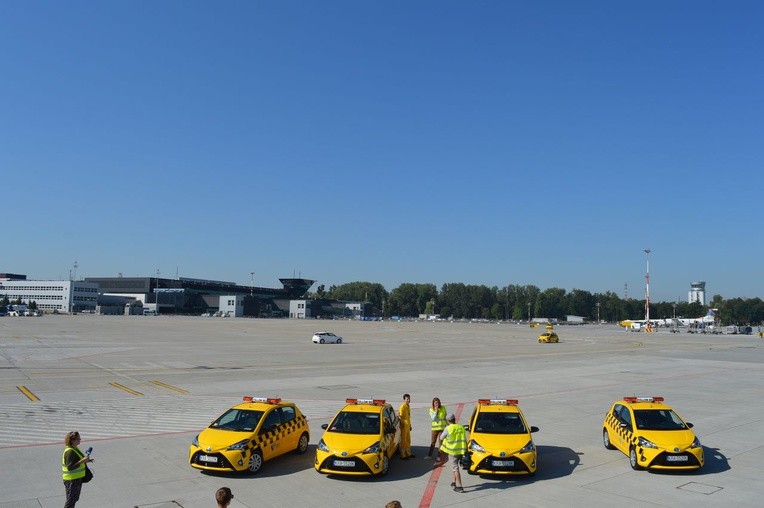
<point>404,413</point>
<point>73,468</point>
<point>453,442</point>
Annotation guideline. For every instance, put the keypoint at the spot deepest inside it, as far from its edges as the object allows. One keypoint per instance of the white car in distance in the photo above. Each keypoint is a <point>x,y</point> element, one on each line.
<point>323,337</point>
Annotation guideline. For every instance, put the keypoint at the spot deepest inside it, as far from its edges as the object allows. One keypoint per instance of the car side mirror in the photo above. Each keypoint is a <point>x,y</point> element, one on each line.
<point>624,425</point>
<point>325,426</point>
<point>467,428</point>
<point>534,429</point>
<point>689,425</point>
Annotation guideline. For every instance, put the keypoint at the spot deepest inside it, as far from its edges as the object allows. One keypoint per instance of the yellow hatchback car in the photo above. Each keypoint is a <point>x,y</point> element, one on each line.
<point>549,337</point>
<point>651,434</point>
<point>360,440</point>
<point>248,434</point>
<point>500,440</point>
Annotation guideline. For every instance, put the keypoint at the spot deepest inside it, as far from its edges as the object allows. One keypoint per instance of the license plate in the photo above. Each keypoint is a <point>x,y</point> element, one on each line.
<point>344,463</point>
<point>207,458</point>
<point>677,458</point>
<point>502,463</point>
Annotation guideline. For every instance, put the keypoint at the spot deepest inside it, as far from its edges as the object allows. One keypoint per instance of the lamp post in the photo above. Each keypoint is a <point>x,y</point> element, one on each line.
<point>598,312</point>
<point>529,312</point>
<point>252,285</point>
<point>156,292</point>
<point>648,328</point>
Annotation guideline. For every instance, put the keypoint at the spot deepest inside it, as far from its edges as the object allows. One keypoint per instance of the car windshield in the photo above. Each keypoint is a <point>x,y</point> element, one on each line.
<point>500,423</point>
<point>238,420</point>
<point>353,422</point>
<point>658,419</point>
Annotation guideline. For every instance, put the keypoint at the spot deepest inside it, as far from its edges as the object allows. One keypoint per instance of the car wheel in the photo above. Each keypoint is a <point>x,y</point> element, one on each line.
<point>606,440</point>
<point>385,466</point>
<point>633,461</point>
<point>321,341</point>
<point>255,461</point>
<point>302,444</point>
<point>339,340</point>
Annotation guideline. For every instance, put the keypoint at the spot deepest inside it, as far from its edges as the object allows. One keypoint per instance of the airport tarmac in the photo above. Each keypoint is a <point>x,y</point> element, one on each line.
<point>139,389</point>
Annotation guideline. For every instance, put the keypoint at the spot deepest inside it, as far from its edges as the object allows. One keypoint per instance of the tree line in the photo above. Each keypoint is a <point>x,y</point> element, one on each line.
<point>517,303</point>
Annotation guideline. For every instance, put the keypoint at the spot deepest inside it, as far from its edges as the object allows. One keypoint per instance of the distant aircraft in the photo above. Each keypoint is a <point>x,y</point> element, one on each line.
<point>637,324</point>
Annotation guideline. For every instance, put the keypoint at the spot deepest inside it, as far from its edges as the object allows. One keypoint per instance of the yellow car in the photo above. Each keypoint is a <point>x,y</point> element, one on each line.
<point>549,326</point>
<point>534,325</point>
<point>248,434</point>
<point>500,440</point>
<point>651,434</point>
<point>360,440</point>
<point>549,337</point>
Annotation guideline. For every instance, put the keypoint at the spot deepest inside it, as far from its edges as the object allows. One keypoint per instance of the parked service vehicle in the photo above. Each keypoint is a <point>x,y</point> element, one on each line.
<point>257,430</point>
<point>651,434</point>
<point>549,337</point>
<point>323,337</point>
<point>500,440</point>
<point>360,440</point>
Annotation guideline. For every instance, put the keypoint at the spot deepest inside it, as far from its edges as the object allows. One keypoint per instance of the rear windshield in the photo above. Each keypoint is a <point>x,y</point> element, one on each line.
<point>238,420</point>
<point>353,422</point>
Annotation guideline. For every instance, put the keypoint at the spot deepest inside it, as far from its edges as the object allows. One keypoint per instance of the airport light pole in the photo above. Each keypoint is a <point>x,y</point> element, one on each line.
<point>598,312</point>
<point>529,312</point>
<point>648,328</point>
<point>252,285</point>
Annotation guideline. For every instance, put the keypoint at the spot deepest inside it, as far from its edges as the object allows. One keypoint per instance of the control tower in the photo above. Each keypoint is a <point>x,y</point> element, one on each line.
<point>697,293</point>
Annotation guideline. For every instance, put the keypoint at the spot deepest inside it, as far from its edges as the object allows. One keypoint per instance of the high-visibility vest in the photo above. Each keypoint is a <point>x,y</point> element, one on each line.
<point>72,474</point>
<point>438,418</point>
<point>456,440</point>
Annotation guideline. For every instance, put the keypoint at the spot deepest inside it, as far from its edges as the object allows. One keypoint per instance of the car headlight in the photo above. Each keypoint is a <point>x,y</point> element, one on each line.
<point>475,447</point>
<point>241,445</point>
<point>322,446</point>
<point>644,443</point>
<point>696,443</point>
<point>527,448</point>
<point>373,448</point>
<point>195,441</point>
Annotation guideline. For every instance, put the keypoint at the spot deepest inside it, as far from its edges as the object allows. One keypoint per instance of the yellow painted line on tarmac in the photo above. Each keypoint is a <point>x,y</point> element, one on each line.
<point>31,396</point>
<point>164,385</point>
<point>123,387</point>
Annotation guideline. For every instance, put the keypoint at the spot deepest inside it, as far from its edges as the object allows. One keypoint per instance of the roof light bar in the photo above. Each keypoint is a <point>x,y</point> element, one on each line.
<point>374,402</point>
<point>267,400</point>
<point>505,402</point>
<point>643,399</point>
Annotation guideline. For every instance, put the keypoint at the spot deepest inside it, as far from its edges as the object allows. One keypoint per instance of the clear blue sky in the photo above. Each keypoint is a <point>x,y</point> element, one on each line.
<point>486,142</point>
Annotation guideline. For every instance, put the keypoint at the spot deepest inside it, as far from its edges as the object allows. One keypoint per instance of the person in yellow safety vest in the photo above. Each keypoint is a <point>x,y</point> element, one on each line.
<point>73,468</point>
<point>438,418</point>
<point>404,413</point>
<point>453,442</point>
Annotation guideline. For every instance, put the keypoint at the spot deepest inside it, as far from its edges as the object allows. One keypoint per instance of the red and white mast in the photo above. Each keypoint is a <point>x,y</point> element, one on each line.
<point>648,328</point>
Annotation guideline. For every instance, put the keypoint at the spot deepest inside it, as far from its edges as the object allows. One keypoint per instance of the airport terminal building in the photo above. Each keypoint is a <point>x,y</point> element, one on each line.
<point>196,296</point>
<point>63,296</point>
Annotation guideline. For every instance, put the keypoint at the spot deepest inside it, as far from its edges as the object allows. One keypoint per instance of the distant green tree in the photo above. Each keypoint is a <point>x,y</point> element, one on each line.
<point>411,299</point>
<point>371,292</point>
<point>33,305</point>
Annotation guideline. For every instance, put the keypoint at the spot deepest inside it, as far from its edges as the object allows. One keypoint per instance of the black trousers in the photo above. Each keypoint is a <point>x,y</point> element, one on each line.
<point>73,488</point>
